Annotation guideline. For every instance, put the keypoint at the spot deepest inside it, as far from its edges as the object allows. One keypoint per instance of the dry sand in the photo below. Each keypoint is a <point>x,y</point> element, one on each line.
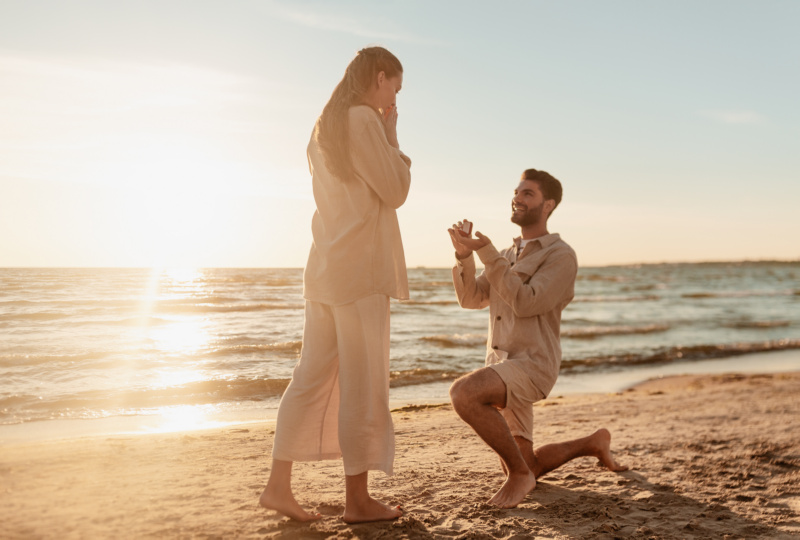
<point>711,457</point>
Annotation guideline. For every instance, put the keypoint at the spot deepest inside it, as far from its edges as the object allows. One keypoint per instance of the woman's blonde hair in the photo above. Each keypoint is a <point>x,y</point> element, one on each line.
<point>332,127</point>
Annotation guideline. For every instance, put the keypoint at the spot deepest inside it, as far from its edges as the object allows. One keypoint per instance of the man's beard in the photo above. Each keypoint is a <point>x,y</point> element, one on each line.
<point>531,216</point>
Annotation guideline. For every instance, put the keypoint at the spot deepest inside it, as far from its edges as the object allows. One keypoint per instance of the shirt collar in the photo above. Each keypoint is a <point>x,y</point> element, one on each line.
<point>545,241</point>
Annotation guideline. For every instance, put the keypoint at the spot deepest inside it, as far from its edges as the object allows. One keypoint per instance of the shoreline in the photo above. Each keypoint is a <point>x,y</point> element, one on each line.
<point>198,418</point>
<point>710,455</point>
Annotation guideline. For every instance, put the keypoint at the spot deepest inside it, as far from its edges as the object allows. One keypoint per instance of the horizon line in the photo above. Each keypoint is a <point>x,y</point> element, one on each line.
<point>417,267</point>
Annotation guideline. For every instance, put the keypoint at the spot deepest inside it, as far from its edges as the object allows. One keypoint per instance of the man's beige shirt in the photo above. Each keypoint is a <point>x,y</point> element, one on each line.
<point>525,295</point>
<point>357,249</point>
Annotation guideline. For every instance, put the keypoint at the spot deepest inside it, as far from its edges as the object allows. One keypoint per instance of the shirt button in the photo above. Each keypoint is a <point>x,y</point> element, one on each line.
<point>494,346</point>
<point>498,317</point>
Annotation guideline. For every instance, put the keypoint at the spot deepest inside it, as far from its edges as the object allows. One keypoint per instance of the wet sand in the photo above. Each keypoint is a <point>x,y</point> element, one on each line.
<point>710,456</point>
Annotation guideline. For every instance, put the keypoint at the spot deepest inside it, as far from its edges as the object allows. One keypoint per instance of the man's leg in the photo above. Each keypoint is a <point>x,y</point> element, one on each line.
<point>475,399</point>
<point>552,456</point>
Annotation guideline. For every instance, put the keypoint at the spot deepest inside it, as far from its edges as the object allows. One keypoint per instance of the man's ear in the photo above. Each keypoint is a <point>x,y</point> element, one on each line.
<point>549,205</point>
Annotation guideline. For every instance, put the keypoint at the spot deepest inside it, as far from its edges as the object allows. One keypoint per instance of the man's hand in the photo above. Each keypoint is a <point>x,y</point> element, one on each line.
<point>464,243</point>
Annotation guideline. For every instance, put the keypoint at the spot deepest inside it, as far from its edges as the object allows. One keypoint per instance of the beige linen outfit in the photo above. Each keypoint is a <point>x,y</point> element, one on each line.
<point>525,295</point>
<point>337,403</point>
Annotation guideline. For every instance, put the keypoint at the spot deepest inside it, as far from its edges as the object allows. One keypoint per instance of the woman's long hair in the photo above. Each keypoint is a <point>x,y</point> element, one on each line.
<point>332,128</point>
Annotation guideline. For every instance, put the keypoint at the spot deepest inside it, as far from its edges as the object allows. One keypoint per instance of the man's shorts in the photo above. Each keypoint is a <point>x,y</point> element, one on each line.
<point>521,393</point>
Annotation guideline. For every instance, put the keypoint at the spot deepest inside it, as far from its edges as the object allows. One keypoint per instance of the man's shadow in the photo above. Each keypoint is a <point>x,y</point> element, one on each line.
<point>640,508</point>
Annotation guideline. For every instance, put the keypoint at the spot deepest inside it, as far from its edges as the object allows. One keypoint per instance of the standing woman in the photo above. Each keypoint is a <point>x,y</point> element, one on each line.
<point>337,404</point>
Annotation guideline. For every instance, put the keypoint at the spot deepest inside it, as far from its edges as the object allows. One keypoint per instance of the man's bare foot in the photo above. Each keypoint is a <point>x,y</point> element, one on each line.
<point>370,510</point>
<point>516,487</point>
<point>601,449</point>
<point>284,503</point>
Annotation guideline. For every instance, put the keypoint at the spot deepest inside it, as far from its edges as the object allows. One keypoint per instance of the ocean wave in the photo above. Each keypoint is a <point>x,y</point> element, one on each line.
<point>105,304</point>
<point>212,308</point>
<point>293,347</point>
<point>193,299</point>
<point>93,303</point>
<point>37,316</point>
<point>584,332</point>
<point>131,321</point>
<point>759,324</point>
<point>645,287</point>
<point>411,377</point>
<point>591,332</point>
<point>737,294</point>
<point>618,298</point>
<point>26,408</point>
<point>428,285</point>
<point>137,321</point>
<point>429,302</point>
<point>10,360</point>
<point>15,400</point>
<point>673,354</point>
<point>266,281</point>
<point>17,408</point>
<point>456,340</point>
<point>600,277</point>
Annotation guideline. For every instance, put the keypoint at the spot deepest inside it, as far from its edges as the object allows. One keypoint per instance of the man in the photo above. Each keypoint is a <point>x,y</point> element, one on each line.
<point>526,287</point>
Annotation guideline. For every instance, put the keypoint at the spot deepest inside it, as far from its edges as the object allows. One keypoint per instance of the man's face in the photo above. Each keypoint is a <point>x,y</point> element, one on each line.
<point>527,204</point>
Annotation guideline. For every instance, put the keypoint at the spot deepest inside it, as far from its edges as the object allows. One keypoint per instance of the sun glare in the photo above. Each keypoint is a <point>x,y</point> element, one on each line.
<point>168,293</point>
<point>183,275</point>
<point>177,377</point>
<point>186,418</point>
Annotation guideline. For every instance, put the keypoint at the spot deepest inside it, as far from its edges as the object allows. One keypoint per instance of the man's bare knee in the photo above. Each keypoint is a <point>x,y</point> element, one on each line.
<point>459,396</point>
<point>483,387</point>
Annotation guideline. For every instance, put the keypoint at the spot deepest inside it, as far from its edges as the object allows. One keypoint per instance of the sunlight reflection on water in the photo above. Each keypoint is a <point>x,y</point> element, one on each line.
<point>180,335</point>
<point>184,336</point>
<point>185,418</point>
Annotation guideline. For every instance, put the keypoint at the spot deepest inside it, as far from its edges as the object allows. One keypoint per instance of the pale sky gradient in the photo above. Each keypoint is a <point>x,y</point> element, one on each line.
<point>173,133</point>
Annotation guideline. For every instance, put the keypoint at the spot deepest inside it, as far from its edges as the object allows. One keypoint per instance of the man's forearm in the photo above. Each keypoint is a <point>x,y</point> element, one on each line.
<point>471,294</point>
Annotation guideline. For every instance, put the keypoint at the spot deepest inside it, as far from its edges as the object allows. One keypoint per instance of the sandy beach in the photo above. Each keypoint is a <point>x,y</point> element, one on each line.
<point>711,456</point>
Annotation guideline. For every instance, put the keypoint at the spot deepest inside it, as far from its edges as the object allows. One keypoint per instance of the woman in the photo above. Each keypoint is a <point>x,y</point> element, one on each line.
<point>337,404</point>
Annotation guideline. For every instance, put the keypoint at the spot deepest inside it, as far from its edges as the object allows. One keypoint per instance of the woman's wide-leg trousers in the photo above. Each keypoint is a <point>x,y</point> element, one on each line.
<point>337,404</point>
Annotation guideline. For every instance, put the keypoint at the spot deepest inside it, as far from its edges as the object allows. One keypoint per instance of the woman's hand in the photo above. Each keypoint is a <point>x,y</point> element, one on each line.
<point>390,125</point>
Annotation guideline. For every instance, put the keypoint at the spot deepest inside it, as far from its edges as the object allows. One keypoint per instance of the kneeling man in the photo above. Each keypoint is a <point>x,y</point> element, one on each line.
<point>526,286</point>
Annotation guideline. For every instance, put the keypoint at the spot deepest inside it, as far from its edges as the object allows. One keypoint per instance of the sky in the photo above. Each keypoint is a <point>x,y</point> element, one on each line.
<point>173,133</point>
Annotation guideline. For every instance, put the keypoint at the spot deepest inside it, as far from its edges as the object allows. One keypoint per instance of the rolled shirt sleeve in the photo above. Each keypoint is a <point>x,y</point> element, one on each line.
<point>472,292</point>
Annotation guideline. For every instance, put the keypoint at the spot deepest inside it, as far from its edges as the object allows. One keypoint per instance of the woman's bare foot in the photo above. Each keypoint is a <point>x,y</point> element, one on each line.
<point>370,510</point>
<point>283,502</point>
<point>516,487</point>
<point>601,449</point>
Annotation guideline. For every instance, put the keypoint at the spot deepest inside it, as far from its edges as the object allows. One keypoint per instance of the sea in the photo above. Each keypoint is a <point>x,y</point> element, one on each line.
<point>142,350</point>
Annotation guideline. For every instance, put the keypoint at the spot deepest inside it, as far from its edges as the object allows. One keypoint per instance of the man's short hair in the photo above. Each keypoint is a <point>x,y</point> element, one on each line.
<point>550,186</point>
